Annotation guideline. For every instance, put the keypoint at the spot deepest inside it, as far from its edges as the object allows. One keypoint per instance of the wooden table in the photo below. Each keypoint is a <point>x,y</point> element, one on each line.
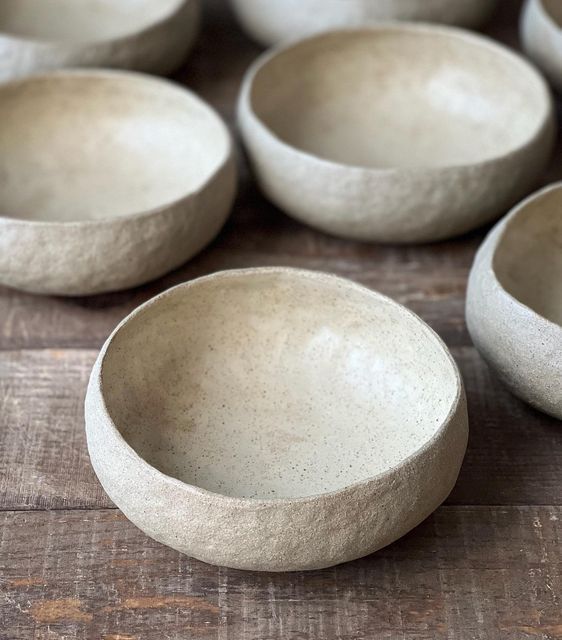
<point>487,564</point>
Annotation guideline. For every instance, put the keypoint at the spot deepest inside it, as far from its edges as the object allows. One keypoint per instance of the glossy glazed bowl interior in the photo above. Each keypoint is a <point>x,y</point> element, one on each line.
<point>528,257</point>
<point>399,98</point>
<point>75,21</point>
<point>276,383</point>
<point>91,146</point>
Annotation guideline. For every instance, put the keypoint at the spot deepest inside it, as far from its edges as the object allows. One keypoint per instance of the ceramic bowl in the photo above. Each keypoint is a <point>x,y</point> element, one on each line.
<point>396,133</point>
<point>147,35</point>
<point>541,36</point>
<point>514,300</point>
<point>107,180</point>
<point>275,419</point>
<point>273,21</point>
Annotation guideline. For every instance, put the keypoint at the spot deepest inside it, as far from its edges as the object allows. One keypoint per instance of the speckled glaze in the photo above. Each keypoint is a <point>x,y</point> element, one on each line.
<point>514,300</point>
<point>456,131</point>
<point>146,35</point>
<point>541,37</point>
<point>274,21</point>
<point>107,180</point>
<point>275,419</point>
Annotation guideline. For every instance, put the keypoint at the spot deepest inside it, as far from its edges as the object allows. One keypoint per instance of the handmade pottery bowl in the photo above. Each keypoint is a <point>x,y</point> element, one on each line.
<point>147,35</point>
<point>274,21</point>
<point>107,180</point>
<point>396,133</point>
<point>514,300</point>
<point>275,419</point>
<point>541,36</point>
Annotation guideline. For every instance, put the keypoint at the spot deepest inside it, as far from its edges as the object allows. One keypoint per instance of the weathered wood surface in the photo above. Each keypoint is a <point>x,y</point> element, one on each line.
<point>465,573</point>
<point>514,457</point>
<point>486,565</point>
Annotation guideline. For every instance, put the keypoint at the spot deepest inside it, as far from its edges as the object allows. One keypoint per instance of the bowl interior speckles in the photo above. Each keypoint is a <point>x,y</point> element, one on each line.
<point>275,397</point>
<point>105,156</point>
<point>541,37</point>
<point>401,132</point>
<point>274,21</point>
<point>514,305</point>
<point>148,35</point>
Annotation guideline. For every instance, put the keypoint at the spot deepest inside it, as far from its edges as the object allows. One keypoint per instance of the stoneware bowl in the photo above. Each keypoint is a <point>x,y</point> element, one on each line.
<point>275,419</point>
<point>541,36</point>
<point>147,35</point>
<point>514,301</point>
<point>108,179</point>
<point>396,133</point>
<point>274,21</point>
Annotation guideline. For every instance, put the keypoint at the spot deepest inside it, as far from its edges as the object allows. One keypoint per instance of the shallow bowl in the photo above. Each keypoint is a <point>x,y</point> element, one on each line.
<point>275,419</point>
<point>396,133</point>
<point>107,180</point>
<point>147,35</point>
<point>514,300</point>
<point>541,37</point>
<point>274,21</point>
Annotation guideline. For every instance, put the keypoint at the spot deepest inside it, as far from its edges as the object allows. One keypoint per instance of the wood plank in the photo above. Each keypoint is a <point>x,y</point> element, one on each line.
<point>514,457</point>
<point>466,572</point>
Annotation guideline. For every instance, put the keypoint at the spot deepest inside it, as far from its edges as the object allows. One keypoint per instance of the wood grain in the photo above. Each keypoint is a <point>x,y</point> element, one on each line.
<point>514,456</point>
<point>466,572</point>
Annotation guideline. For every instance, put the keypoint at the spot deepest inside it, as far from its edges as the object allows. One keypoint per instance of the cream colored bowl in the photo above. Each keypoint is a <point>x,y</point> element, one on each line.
<point>148,35</point>
<point>541,35</point>
<point>397,133</point>
<point>514,301</point>
<point>275,419</point>
<point>274,21</point>
<point>107,180</point>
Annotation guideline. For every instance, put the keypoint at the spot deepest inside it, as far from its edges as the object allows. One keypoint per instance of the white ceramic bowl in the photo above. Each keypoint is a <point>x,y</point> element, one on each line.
<point>147,35</point>
<point>275,419</point>
<point>107,180</point>
<point>274,21</point>
<point>396,133</point>
<point>514,300</point>
<point>541,36</point>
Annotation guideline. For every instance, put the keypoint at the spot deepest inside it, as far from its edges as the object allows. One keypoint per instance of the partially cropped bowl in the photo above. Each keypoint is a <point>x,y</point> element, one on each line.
<point>514,301</point>
<point>396,133</point>
<point>541,36</point>
<point>145,35</point>
<point>274,21</point>
<point>275,419</point>
<point>108,179</point>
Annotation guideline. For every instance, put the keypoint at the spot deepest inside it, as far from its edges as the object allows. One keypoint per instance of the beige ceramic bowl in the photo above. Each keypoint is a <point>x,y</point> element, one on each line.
<point>396,133</point>
<point>147,35</point>
<point>514,301</point>
<point>274,21</point>
<point>107,180</point>
<point>275,419</point>
<point>541,35</point>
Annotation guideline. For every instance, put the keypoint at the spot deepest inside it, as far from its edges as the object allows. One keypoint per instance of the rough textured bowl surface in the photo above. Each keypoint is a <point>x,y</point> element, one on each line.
<point>146,35</point>
<point>401,133</point>
<point>275,419</point>
<point>541,36</point>
<point>107,180</point>
<point>514,303</point>
<point>274,21</point>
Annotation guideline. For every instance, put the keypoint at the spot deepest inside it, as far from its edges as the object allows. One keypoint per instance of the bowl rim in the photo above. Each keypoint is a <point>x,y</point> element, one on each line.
<point>120,74</point>
<point>245,106</point>
<point>544,14</point>
<point>96,386</point>
<point>502,229</point>
<point>176,6</point>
